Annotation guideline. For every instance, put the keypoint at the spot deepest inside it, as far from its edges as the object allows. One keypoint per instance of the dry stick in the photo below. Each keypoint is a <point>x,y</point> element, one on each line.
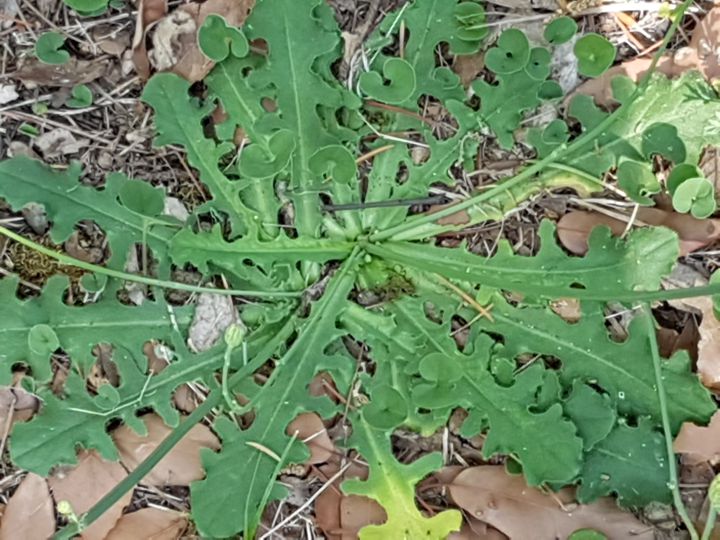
<point>667,431</point>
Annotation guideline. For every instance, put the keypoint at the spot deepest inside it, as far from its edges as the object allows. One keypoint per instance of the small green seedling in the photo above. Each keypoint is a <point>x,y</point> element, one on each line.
<point>28,129</point>
<point>48,49</point>
<point>560,31</point>
<point>695,196</point>
<point>663,139</point>
<point>538,66</point>
<point>471,18</point>
<point>81,97</point>
<point>595,55</point>
<point>88,8</point>
<point>400,85</point>
<point>638,181</point>
<point>217,40</point>
<point>142,198</point>
<point>680,174</point>
<point>587,534</point>
<point>511,53</point>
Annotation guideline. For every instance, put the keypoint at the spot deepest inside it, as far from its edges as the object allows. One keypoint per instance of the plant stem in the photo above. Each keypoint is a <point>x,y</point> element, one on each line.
<point>70,261</point>
<point>667,432</point>
<point>710,523</point>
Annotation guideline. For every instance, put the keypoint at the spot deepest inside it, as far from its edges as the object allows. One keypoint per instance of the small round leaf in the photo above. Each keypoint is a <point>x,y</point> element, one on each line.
<point>561,30</point>
<point>42,339</point>
<point>638,181</point>
<point>663,139</point>
<point>538,66</point>
<point>259,162</point>
<point>556,132</point>
<point>397,86</point>
<point>48,49</point>
<point>695,196</point>
<point>440,368</point>
<point>679,174</point>
<point>82,97</point>
<point>142,198</point>
<point>107,397</point>
<point>387,409</point>
<point>88,8</point>
<point>511,54</point>
<point>471,21</point>
<point>550,90</point>
<point>595,55</point>
<point>587,534</point>
<point>217,39</point>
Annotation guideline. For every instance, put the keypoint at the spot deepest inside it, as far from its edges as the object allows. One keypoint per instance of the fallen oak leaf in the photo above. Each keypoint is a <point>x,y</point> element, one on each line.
<point>311,430</point>
<point>700,443</point>
<point>85,484</point>
<point>180,466</point>
<point>574,228</point>
<point>507,503</point>
<point>149,524</point>
<point>30,513</point>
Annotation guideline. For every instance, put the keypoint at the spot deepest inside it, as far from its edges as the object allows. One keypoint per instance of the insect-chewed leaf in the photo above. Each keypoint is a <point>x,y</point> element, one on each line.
<point>611,266</point>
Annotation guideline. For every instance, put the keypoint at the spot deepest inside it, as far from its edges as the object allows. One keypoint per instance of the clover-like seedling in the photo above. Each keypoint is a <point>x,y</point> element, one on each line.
<point>681,173</point>
<point>695,196</point>
<point>550,90</point>
<point>538,66</point>
<point>638,181</point>
<point>258,162</point>
<point>81,97</point>
<point>399,83</point>
<point>663,139</point>
<point>42,340</point>
<point>595,55</point>
<point>556,132</point>
<point>587,534</point>
<point>560,31</point>
<point>142,198</point>
<point>88,8</point>
<point>511,53</point>
<point>48,49</point>
<point>386,409</point>
<point>217,39</point>
<point>471,20</point>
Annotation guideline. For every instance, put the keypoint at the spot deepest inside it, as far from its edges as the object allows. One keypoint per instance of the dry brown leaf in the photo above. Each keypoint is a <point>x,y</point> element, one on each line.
<point>149,12</point>
<point>16,405</point>
<point>700,443</point>
<point>506,502</point>
<point>700,54</point>
<point>708,363</point>
<point>34,73</point>
<point>340,516</point>
<point>469,66</point>
<point>474,529</point>
<point>175,45</point>
<point>30,513</point>
<point>85,484</point>
<point>149,524</point>
<point>574,228</point>
<point>311,430</point>
<point>180,466</point>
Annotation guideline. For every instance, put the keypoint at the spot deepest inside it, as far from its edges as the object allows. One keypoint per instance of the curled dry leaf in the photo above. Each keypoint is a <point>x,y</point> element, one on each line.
<point>30,513</point>
<point>73,72</point>
<point>700,443</point>
<point>700,54</point>
<point>149,524</point>
<point>59,142</point>
<point>474,529</point>
<point>574,228</point>
<point>175,45</point>
<point>86,484</point>
<point>180,466</point>
<point>518,511</point>
<point>311,430</point>
<point>149,12</point>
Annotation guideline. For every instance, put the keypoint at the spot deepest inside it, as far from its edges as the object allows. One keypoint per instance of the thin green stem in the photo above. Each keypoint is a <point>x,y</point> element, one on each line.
<point>667,432</point>
<point>710,523</point>
<point>70,261</point>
